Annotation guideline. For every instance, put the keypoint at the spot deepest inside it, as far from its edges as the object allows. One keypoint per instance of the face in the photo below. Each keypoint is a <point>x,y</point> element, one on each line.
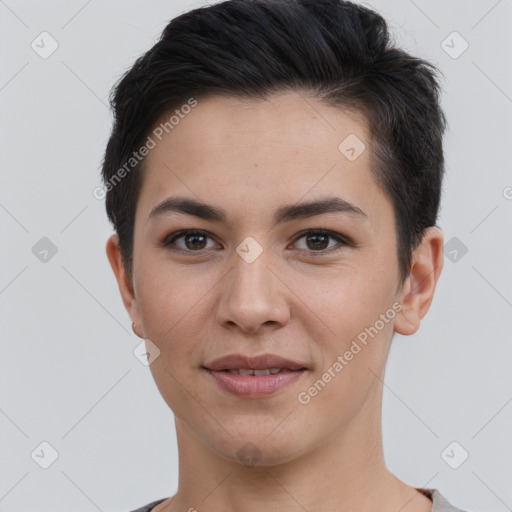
<point>245,269</point>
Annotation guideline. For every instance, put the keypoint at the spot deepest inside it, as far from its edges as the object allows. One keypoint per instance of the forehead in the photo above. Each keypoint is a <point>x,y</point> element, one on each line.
<point>291,116</point>
<point>255,153</point>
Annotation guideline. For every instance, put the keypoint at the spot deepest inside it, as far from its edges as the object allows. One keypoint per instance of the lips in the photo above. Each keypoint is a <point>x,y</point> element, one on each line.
<point>253,377</point>
<point>248,371</point>
<point>263,362</point>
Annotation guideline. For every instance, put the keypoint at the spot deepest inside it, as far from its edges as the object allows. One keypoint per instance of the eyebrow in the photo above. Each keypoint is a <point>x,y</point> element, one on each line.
<point>283,214</point>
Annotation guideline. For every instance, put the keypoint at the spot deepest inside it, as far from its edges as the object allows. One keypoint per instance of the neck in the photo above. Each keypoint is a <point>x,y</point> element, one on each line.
<point>346,472</point>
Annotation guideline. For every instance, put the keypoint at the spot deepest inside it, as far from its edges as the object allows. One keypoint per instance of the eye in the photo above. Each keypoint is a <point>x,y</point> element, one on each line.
<point>318,240</point>
<point>314,240</point>
<point>189,241</point>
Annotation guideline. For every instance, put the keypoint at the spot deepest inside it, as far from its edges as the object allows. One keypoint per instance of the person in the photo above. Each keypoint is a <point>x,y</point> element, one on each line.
<point>273,177</point>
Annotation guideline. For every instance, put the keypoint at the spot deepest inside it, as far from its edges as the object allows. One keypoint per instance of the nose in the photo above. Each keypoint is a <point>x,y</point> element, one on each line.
<point>253,296</point>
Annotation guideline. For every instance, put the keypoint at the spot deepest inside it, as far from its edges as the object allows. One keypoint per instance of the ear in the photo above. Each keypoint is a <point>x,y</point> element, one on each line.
<point>123,281</point>
<point>418,289</point>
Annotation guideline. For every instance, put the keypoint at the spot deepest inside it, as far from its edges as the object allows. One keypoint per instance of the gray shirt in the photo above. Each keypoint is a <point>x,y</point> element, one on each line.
<point>439,503</point>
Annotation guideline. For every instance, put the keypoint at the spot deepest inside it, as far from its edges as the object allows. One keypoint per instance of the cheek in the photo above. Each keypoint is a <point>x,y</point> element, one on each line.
<point>348,299</point>
<point>168,305</point>
<point>352,353</point>
<point>170,310</point>
<point>350,304</point>
<point>166,292</point>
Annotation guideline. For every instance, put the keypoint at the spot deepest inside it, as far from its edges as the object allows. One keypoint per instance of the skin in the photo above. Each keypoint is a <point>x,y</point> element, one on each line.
<point>250,158</point>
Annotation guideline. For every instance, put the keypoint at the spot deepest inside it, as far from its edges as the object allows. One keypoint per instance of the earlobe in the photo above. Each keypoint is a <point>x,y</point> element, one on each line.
<point>124,283</point>
<point>418,290</point>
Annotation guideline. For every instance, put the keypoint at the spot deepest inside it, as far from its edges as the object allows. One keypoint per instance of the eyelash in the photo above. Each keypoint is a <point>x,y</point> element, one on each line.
<point>342,241</point>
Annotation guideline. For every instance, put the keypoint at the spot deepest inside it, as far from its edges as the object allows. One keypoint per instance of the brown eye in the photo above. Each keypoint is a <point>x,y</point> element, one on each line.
<point>317,241</point>
<point>320,240</point>
<point>188,241</point>
<point>194,241</point>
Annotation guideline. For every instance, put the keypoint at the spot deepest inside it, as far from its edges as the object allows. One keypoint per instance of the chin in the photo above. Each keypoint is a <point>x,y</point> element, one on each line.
<point>260,450</point>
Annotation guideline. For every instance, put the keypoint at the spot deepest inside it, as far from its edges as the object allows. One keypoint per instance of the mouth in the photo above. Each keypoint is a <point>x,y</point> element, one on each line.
<point>253,377</point>
<point>258,373</point>
<point>272,363</point>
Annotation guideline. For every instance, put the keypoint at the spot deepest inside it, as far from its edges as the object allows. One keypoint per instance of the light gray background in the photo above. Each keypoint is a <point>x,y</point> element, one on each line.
<point>67,372</point>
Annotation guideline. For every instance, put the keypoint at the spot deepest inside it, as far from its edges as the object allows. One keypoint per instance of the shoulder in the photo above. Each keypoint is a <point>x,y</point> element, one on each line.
<point>149,506</point>
<point>439,502</point>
